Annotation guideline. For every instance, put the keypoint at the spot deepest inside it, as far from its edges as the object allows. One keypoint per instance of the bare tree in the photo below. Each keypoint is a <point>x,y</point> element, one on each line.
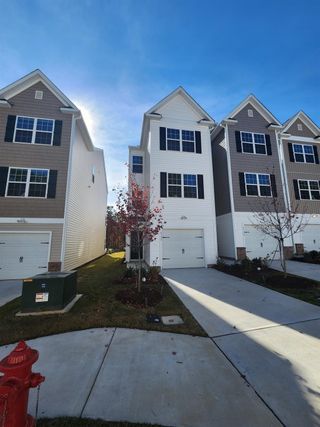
<point>278,222</point>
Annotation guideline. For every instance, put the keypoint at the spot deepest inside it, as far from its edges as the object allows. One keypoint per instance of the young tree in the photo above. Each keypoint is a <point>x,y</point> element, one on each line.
<point>138,214</point>
<point>115,237</point>
<point>275,221</point>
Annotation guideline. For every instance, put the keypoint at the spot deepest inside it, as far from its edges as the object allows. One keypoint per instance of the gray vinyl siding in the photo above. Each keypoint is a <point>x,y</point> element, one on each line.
<point>33,155</point>
<point>243,162</point>
<point>56,240</point>
<point>305,132</point>
<point>221,179</point>
<point>309,171</point>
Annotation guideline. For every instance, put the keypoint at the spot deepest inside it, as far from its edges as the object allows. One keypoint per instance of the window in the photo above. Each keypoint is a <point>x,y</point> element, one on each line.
<point>254,143</point>
<point>137,164</point>
<point>190,186</point>
<point>257,184</point>
<point>27,182</point>
<point>34,131</point>
<point>303,153</point>
<point>309,190</point>
<point>188,141</point>
<point>174,185</point>
<point>173,139</point>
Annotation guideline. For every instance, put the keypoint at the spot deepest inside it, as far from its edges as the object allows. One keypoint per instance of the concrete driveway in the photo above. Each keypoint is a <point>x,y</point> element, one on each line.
<point>271,339</point>
<point>303,269</point>
<point>144,377</point>
<point>9,290</point>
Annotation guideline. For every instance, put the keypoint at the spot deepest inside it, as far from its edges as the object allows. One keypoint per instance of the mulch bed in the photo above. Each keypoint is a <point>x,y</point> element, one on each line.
<point>147,297</point>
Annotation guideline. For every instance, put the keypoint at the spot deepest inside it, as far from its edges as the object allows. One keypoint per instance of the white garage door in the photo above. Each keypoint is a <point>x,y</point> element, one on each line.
<point>182,248</point>
<point>23,254</point>
<point>311,238</point>
<point>258,244</point>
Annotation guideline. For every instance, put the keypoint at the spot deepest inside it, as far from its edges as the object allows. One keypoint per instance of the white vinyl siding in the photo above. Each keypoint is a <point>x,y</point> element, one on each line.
<point>86,206</point>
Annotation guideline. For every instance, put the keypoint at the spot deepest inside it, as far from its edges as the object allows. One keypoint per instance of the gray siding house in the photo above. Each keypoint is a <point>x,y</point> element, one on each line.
<point>53,190</point>
<point>247,170</point>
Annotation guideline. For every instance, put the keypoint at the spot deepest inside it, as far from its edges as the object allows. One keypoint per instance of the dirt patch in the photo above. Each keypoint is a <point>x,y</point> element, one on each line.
<point>147,297</point>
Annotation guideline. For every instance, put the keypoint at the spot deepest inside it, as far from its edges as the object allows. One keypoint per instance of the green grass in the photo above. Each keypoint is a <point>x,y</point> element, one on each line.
<point>294,286</point>
<point>97,308</point>
<point>78,422</point>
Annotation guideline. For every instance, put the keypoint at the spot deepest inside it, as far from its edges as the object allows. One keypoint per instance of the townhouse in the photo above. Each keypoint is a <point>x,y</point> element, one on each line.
<point>174,159</point>
<point>53,190</point>
<point>300,145</point>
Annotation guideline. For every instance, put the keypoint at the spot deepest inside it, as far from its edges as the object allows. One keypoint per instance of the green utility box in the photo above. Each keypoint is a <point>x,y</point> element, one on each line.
<point>49,291</point>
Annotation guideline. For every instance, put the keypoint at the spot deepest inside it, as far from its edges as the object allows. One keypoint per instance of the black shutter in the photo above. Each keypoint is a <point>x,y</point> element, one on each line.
<point>163,184</point>
<point>238,141</point>
<point>11,121</point>
<point>291,156</point>
<point>268,144</point>
<point>52,184</point>
<point>315,151</point>
<point>3,180</point>
<point>296,189</point>
<point>198,142</point>
<point>200,187</point>
<point>273,185</point>
<point>163,139</point>
<point>57,132</point>
<point>242,184</point>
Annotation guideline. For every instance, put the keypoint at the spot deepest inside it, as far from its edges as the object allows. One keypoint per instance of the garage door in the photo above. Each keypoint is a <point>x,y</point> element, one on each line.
<point>311,238</point>
<point>258,244</point>
<point>182,248</point>
<point>23,254</point>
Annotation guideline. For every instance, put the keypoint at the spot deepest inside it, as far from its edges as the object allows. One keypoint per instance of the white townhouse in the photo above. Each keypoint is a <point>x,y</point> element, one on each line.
<point>174,158</point>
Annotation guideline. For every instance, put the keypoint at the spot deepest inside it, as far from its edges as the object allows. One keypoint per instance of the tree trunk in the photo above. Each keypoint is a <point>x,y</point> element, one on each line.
<point>283,258</point>
<point>140,263</point>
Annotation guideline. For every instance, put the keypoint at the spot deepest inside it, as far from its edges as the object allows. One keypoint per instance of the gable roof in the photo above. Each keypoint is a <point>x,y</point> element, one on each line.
<point>29,80</point>
<point>152,112</point>
<point>36,76</point>
<point>181,91</point>
<point>254,101</point>
<point>305,119</point>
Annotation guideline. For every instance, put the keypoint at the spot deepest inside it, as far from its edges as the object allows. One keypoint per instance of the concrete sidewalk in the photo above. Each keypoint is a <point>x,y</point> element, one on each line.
<point>303,269</point>
<point>272,340</point>
<point>9,290</point>
<point>144,377</point>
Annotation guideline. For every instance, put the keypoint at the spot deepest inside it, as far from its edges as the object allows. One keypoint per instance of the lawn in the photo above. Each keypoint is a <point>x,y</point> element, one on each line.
<point>295,286</point>
<point>78,422</point>
<point>98,307</point>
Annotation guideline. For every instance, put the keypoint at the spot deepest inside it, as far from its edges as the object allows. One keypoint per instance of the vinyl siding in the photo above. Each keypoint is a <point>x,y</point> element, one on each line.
<point>309,171</point>
<point>199,213</point>
<point>221,179</point>
<point>243,162</point>
<point>305,132</point>
<point>56,240</point>
<point>34,155</point>
<point>86,206</point>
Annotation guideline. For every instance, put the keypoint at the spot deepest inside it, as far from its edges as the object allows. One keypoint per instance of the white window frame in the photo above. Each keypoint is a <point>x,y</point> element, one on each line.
<point>34,130</point>
<point>181,140</point>
<point>258,184</point>
<point>304,154</point>
<point>254,143</point>
<point>176,185</point>
<point>308,189</point>
<point>27,182</point>
<point>193,186</point>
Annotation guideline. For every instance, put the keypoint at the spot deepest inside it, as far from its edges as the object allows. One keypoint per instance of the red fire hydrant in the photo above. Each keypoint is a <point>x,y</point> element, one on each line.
<point>15,385</point>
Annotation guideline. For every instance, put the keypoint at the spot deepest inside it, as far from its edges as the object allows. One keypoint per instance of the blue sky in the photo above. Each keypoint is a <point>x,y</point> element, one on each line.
<point>116,58</point>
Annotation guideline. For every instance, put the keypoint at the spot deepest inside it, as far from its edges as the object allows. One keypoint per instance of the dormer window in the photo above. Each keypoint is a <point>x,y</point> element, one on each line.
<point>137,164</point>
<point>30,130</point>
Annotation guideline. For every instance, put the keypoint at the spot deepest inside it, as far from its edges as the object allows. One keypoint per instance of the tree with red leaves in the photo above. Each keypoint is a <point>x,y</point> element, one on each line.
<point>138,214</point>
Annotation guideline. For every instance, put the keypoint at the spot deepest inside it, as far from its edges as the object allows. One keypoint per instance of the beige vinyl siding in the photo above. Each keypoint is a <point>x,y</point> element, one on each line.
<point>56,239</point>
<point>86,206</point>
<point>35,155</point>
<point>305,132</point>
<point>244,162</point>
